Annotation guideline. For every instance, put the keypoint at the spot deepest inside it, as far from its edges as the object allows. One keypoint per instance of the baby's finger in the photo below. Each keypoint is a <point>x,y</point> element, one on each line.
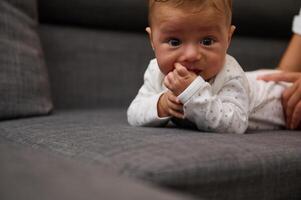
<point>175,106</point>
<point>176,114</point>
<point>180,69</point>
<point>296,117</point>
<point>167,80</point>
<point>173,98</point>
<point>170,76</point>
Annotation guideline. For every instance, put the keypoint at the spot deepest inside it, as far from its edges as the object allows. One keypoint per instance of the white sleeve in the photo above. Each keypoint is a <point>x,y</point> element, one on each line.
<point>297,24</point>
<point>227,111</point>
<point>143,109</point>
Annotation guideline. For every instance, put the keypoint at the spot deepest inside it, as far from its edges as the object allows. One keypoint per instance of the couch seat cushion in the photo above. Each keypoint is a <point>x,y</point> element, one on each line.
<point>38,175</point>
<point>258,165</point>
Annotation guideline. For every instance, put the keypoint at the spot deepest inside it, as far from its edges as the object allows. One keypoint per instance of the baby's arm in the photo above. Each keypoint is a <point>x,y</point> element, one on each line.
<point>227,111</point>
<point>143,109</point>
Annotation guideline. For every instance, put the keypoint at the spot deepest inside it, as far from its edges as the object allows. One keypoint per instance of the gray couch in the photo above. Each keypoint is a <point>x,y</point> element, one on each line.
<point>96,53</point>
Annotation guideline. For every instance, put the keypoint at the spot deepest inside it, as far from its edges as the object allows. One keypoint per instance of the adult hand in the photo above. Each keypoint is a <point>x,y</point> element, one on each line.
<point>291,97</point>
<point>169,105</point>
<point>179,79</point>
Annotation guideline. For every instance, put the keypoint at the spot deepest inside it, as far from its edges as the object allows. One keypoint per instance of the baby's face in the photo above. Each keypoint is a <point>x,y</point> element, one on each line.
<point>198,40</point>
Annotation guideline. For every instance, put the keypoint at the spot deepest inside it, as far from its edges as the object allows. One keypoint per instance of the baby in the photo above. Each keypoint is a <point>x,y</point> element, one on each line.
<point>193,81</point>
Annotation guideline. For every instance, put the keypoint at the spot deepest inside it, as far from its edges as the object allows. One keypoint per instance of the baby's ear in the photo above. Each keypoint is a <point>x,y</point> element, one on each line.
<point>230,34</point>
<point>231,31</point>
<point>149,31</point>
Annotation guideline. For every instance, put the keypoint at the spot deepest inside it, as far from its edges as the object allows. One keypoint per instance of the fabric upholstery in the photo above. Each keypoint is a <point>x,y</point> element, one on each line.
<point>92,68</point>
<point>254,53</point>
<point>266,18</point>
<point>30,174</point>
<point>24,86</point>
<point>112,14</point>
<point>258,165</point>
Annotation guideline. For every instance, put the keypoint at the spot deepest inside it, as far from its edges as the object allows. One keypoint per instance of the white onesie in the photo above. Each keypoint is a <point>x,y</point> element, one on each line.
<point>231,102</point>
<point>297,24</point>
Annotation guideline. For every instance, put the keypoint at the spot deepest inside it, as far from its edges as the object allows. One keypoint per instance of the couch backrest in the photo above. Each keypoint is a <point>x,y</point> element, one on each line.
<point>267,18</point>
<point>109,14</point>
<point>97,50</point>
<point>260,17</point>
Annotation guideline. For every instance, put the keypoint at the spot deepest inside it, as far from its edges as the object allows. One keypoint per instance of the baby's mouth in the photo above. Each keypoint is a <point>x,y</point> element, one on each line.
<point>196,71</point>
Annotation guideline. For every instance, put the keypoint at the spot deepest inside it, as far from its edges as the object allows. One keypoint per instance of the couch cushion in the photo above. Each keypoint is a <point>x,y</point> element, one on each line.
<point>94,68</point>
<point>257,18</point>
<point>267,18</point>
<point>111,14</point>
<point>29,174</point>
<point>256,53</point>
<point>261,165</point>
<point>24,85</point>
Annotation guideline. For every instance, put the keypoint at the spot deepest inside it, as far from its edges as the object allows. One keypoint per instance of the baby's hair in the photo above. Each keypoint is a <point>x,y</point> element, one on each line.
<point>222,6</point>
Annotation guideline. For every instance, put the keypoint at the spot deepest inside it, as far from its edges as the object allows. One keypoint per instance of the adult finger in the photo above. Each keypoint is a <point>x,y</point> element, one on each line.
<point>286,99</point>
<point>281,76</point>
<point>286,95</point>
<point>292,102</point>
<point>296,117</point>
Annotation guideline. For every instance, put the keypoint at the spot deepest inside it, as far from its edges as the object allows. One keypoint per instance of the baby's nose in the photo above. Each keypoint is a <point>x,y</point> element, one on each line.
<point>192,53</point>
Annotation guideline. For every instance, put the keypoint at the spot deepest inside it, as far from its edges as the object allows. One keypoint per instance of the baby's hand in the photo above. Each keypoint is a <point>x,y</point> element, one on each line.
<point>179,79</point>
<point>169,105</point>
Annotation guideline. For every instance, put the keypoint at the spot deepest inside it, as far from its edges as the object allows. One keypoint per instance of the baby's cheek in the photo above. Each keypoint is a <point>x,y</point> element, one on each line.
<point>166,60</point>
<point>211,71</point>
<point>165,67</point>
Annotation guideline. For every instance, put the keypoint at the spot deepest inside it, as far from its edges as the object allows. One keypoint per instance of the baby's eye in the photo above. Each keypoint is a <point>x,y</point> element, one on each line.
<point>207,41</point>
<point>174,42</point>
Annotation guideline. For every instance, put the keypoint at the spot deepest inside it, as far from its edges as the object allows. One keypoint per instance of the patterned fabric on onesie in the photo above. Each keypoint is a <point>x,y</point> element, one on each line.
<point>266,111</point>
